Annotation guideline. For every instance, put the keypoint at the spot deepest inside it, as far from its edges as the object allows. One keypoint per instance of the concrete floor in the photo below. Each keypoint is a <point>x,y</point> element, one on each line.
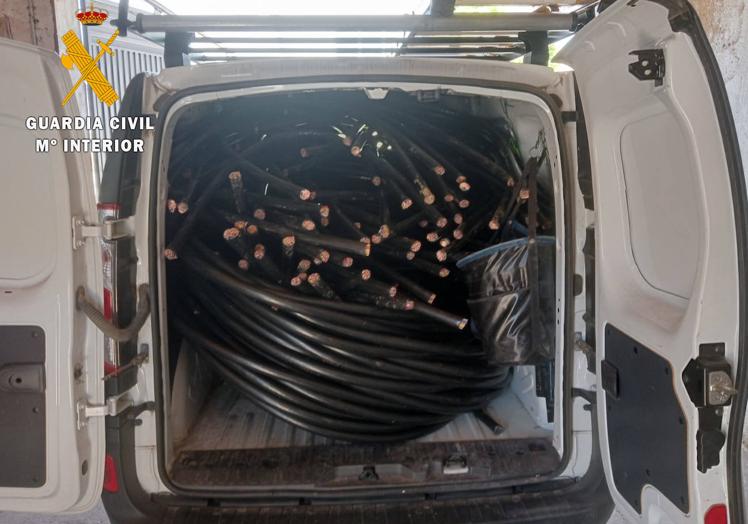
<point>95,516</point>
<point>726,23</point>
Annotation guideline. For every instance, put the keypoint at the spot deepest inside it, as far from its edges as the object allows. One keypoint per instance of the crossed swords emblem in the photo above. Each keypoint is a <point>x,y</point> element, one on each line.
<point>88,67</point>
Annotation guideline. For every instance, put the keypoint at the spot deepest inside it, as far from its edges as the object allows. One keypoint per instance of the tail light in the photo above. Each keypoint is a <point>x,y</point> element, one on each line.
<point>111,482</point>
<point>717,514</point>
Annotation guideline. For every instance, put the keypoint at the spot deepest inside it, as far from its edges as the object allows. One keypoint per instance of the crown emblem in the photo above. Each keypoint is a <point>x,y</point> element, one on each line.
<point>91,16</point>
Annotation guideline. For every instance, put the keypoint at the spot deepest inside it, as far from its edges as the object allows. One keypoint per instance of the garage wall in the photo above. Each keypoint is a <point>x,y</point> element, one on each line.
<point>30,21</point>
<point>726,23</point>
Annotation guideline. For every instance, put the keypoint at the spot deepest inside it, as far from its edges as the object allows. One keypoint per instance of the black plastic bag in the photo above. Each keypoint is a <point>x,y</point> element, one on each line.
<point>500,303</point>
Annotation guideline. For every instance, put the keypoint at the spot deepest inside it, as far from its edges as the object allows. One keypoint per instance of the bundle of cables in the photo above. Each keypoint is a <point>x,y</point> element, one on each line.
<point>312,263</point>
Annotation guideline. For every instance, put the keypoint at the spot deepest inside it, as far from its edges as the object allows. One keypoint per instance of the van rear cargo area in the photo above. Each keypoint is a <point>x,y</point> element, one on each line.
<point>362,290</point>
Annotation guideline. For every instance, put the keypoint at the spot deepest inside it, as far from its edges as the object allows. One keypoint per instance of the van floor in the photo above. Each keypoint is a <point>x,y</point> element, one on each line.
<point>235,443</point>
<point>230,420</point>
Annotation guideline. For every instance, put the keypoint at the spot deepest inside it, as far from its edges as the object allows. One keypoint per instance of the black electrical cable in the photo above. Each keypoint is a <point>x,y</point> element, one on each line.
<point>369,345</point>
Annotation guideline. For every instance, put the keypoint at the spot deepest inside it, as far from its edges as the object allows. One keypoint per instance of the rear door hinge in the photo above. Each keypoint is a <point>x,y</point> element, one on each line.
<point>112,407</point>
<point>109,230</point>
<point>649,66</point>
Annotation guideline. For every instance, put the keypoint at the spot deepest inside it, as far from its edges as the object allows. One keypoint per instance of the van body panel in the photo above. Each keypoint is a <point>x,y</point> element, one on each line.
<point>59,465</point>
<point>669,254</point>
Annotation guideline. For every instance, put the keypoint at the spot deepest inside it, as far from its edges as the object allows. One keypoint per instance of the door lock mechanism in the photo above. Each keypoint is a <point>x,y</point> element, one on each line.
<point>707,377</point>
<point>720,388</point>
<point>710,387</point>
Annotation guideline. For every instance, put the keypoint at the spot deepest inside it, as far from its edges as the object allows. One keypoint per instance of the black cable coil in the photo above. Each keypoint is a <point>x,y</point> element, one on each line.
<point>284,307</point>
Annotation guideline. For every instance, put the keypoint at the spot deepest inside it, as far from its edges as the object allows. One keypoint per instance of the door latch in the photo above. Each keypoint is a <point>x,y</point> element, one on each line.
<point>109,230</point>
<point>720,388</point>
<point>710,387</point>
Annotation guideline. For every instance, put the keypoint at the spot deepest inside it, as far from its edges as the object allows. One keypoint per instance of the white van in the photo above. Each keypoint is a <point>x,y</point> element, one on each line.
<point>641,412</point>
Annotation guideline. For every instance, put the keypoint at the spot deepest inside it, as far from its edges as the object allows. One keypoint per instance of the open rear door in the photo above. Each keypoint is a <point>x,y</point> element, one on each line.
<point>51,357</point>
<point>670,237</point>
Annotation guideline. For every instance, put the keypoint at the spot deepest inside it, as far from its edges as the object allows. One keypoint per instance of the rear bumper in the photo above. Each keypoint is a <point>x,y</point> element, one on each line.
<point>585,500</point>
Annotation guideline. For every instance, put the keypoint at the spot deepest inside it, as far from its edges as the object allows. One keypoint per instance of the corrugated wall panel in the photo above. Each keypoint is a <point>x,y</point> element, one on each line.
<point>132,55</point>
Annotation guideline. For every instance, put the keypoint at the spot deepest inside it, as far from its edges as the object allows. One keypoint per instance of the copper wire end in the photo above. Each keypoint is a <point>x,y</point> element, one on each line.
<point>243,264</point>
<point>231,233</point>
<point>439,170</point>
<point>324,211</point>
<point>259,214</point>
<point>309,225</point>
<point>171,205</point>
<point>183,207</point>
<point>443,272</point>
<point>259,252</point>
<point>305,194</point>
<point>288,241</point>
<point>406,203</point>
<point>365,274</point>
<point>170,254</point>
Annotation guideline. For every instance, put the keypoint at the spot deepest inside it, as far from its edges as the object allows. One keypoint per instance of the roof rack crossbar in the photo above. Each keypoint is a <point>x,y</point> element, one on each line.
<point>419,23</point>
<point>449,39</point>
<point>358,50</point>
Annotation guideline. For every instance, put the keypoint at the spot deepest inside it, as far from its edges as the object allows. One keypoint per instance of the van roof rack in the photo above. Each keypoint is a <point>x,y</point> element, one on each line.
<point>501,36</point>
